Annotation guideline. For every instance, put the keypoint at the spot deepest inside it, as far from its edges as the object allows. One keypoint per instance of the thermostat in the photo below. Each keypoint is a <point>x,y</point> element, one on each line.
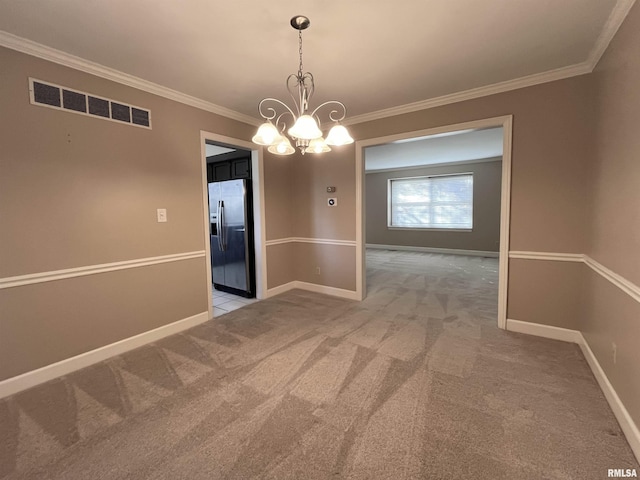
<point>332,202</point>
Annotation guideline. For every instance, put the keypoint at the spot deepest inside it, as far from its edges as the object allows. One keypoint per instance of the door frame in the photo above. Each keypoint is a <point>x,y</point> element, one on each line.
<point>257,183</point>
<point>506,122</point>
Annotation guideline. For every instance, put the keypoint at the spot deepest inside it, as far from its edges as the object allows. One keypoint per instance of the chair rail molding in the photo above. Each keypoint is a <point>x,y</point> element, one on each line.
<point>320,241</point>
<point>41,277</point>
<point>558,257</point>
<point>619,281</point>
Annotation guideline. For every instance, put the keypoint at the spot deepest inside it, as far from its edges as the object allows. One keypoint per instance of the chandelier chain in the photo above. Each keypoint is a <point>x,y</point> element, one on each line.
<point>300,52</point>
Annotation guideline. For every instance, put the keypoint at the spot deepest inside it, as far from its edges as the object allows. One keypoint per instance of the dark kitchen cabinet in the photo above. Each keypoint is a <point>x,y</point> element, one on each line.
<point>241,168</point>
<point>229,170</point>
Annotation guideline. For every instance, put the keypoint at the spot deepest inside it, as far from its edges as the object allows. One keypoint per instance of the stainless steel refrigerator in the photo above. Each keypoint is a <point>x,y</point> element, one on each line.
<point>231,237</point>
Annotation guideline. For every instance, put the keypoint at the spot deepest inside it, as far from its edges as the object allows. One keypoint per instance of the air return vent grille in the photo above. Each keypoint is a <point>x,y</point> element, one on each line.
<point>62,98</point>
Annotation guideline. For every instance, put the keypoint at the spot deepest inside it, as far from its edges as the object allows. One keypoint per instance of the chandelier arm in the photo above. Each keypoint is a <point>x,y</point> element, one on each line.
<point>333,102</point>
<point>284,124</point>
<point>308,88</point>
<point>291,88</point>
<point>272,111</point>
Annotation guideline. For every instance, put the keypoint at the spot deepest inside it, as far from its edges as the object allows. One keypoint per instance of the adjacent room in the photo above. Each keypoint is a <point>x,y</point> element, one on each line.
<point>231,227</point>
<point>379,240</point>
<point>433,220</point>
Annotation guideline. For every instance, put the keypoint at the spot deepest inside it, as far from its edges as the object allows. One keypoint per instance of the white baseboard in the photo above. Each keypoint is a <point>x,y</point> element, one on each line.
<point>285,287</point>
<point>448,251</point>
<point>27,380</point>
<point>628,426</point>
<point>336,292</point>
<point>313,287</point>
<point>546,331</point>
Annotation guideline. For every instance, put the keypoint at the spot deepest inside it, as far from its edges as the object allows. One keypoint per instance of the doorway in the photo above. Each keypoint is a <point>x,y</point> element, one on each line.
<point>232,178</point>
<point>505,123</point>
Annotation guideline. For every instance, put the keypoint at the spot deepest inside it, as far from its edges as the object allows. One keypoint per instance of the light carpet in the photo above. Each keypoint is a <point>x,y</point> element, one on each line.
<point>414,382</point>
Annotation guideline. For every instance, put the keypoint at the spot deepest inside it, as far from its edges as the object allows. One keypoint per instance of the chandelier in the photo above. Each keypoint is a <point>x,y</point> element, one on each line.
<point>305,130</point>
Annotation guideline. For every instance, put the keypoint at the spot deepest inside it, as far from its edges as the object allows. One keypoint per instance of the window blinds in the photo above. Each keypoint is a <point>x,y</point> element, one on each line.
<point>432,202</point>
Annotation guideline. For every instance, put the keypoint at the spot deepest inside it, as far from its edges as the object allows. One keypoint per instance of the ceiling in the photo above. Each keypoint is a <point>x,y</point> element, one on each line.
<point>213,150</point>
<point>370,55</point>
<point>452,147</point>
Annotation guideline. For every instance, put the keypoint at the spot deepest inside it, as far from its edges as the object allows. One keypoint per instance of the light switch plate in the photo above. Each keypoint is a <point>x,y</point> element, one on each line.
<point>162,215</point>
<point>332,202</point>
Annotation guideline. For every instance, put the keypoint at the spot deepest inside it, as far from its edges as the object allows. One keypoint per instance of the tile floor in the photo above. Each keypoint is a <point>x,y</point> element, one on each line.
<point>224,302</point>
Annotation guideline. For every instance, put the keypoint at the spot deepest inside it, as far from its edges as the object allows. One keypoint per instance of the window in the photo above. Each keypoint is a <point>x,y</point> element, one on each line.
<point>440,202</point>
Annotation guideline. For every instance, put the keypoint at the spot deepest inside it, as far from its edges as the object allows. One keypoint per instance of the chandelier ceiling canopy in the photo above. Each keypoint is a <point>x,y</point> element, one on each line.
<point>304,123</point>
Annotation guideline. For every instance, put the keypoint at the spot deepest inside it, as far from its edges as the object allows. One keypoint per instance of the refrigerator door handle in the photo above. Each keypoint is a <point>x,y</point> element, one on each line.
<point>222,231</point>
<point>218,231</point>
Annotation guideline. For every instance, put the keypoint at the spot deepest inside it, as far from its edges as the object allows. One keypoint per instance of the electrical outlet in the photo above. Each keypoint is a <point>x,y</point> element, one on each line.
<point>614,351</point>
<point>317,270</point>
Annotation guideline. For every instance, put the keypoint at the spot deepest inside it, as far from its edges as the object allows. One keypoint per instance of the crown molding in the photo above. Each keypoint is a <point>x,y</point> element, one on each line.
<point>617,16</point>
<point>611,26</point>
<point>44,52</point>
<point>501,87</point>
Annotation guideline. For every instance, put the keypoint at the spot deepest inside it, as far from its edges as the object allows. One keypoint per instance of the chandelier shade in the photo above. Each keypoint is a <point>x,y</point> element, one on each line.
<point>304,126</point>
<point>267,134</point>
<point>339,135</point>
<point>281,146</point>
<point>317,145</point>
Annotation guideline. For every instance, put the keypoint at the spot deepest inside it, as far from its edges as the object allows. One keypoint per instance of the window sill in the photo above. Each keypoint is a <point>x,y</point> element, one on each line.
<point>432,229</point>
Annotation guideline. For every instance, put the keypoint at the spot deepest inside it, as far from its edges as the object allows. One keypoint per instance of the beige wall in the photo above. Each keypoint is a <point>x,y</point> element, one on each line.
<point>312,217</point>
<point>552,123</point>
<point>296,192</point>
<point>337,265</point>
<point>615,226</point>
<point>612,316</point>
<point>79,191</point>
<point>279,195</point>
<point>47,322</point>
<point>547,292</point>
<point>279,199</point>
<point>282,269</point>
<point>485,235</point>
<point>549,175</point>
